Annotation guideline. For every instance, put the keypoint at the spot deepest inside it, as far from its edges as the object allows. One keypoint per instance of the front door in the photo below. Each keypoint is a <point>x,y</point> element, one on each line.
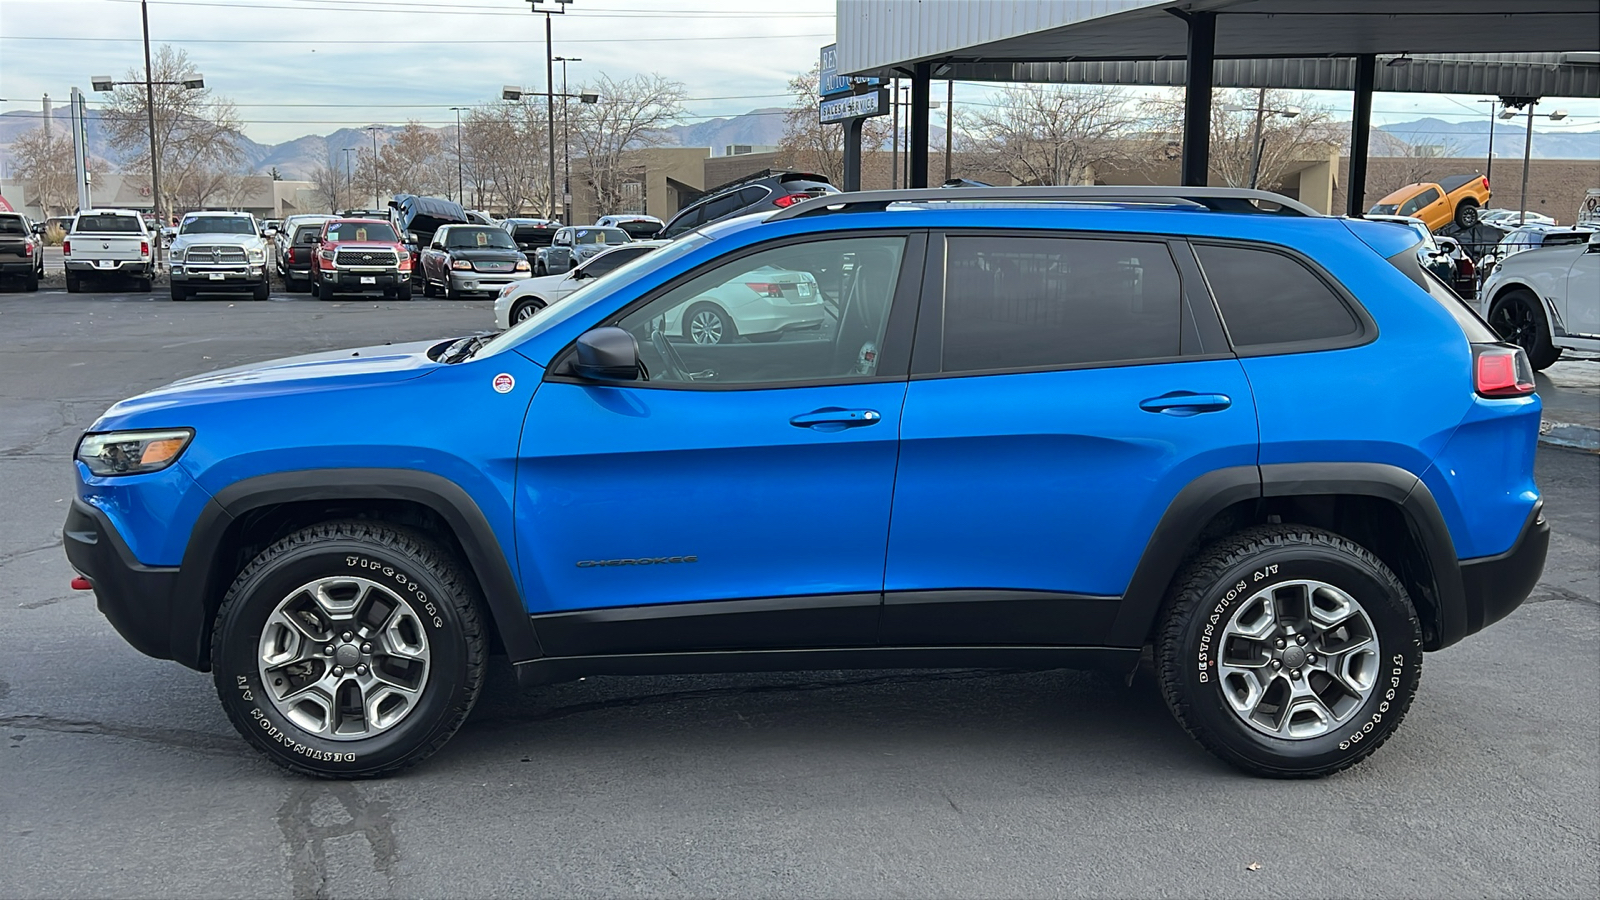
<point>737,498</point>
<point>1583,294</point>
<point>1073,392</point>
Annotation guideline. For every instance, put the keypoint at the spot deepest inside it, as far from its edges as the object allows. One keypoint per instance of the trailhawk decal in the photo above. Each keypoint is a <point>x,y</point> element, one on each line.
<point>641,561</point>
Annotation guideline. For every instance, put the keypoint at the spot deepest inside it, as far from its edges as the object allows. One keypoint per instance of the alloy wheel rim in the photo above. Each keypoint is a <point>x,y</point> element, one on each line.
<point>705,327</point>
<point>1514,321</point>
<point>524,314</point>
<point>1298,659</point>
<point>344,658</point>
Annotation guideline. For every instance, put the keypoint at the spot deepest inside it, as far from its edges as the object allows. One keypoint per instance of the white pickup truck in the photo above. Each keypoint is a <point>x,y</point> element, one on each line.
<point>108,243</point>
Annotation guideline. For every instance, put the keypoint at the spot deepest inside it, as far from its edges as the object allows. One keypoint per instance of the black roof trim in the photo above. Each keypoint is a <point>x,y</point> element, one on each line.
<point>1215,199</point>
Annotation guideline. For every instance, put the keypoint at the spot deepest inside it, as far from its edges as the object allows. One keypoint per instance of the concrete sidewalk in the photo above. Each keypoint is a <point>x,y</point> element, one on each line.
<point>1570,390</point>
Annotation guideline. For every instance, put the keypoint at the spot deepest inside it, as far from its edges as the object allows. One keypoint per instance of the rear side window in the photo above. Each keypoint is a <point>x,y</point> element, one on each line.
<point>1030,302</point>
<point>1269,298</point>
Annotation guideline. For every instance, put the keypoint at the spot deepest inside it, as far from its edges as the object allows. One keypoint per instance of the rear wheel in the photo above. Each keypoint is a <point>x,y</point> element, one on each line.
<point>1289,652</point>
<point>1519,318</point>
<point>1467,214</point>
<point>428,290</point>
<point>707,323</point>
<point>144,285</point>
<point>349,649</point>
<point>32,284</point>
<point>73,284</point>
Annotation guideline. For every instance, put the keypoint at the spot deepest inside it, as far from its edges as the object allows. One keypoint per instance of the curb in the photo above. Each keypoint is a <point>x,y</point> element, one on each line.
<point>1570,435</point>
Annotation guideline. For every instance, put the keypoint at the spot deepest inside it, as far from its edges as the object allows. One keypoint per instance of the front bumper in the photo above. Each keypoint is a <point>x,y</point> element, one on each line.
<point>117,267</point>
<point>483,282</point>
<point>1496,585</point>
<point>240,277</point>
<point>344,280</point>
<point>136,599</point>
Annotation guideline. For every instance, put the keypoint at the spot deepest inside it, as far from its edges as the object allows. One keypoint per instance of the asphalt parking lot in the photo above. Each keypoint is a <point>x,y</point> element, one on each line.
<point>120,776</point>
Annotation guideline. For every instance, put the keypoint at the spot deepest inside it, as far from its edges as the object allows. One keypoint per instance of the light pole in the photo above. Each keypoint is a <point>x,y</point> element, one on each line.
<point>1258,143</point>
<point>566,140</point>
<point>550,90</point>
<point>349,181</point>
<point>515,93</point>
<point>373,130</point>
<point>193,82</point>
<point>1511,103</point>
<point>461,190</point>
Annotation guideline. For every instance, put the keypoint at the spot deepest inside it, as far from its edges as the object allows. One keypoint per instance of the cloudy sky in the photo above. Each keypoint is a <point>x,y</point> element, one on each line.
<point>296,67</point>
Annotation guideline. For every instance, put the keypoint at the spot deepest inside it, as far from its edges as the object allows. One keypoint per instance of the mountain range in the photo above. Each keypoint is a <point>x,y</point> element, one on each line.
<point>295,159</point>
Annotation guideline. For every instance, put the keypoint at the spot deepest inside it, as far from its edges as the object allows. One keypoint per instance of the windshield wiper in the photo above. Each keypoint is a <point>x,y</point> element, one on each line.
<point>462,350</point>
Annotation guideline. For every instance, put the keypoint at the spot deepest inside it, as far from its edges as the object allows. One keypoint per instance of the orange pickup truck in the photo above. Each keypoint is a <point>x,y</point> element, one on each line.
<point>1457,198</point>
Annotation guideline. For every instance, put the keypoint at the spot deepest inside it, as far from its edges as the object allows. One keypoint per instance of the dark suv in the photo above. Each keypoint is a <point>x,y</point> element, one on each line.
<point>1048,427</point>
<point>768,191</point>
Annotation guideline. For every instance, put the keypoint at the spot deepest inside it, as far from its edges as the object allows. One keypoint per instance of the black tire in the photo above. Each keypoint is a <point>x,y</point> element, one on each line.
<point>74,285</point>
<point>1224,582</point>
<point>445,603</point>
<point>261,291</point>
<point>322,291</point>
<point>726,333</point>
<point>524,310</point>
<point>144,285</point>
<point>179,292</point>
<point>1518,317</point>
<point>1466,214</point>
<point>428,290</point>
<point>403,292</point>
<point>32,284</point>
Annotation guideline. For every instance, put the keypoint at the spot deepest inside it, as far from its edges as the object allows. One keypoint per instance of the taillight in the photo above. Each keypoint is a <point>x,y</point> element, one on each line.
<point>27,248</point>
<point>1486,182</point>
<point>66,248</point>
<point>1501,370</point>
<point>144,248</point>
<point>290,257</point>
<point>1466,266</point>
<point>788,200</point>
<point>770,288</point>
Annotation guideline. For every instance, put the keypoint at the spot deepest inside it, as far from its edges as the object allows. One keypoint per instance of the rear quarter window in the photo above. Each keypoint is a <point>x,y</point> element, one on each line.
<point>1271,300</point>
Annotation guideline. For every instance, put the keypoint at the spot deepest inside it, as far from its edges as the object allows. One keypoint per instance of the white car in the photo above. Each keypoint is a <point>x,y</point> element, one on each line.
<point>1547,300</point>
<point>520,300</point>
<point>761,305</point>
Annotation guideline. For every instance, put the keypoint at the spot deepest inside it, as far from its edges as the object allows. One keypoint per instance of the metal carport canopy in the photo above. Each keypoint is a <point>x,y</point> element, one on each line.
<point>983,39</point>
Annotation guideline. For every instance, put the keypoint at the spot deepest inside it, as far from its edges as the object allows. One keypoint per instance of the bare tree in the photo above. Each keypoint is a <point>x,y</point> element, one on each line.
<point>810,146</point>
<point>329,182</point>
<point>409,162</point>
<point>632,113</point>
<point>1395,161</point>
<point>197,132</point>
<point>43,163</point>
<point>1309,132</point>
<point>500,151</point>
<point>1050,134</point>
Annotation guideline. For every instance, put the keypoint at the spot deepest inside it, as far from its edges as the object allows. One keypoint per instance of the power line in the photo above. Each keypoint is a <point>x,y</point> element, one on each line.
<point>369,42</point>
<point>396,7</point>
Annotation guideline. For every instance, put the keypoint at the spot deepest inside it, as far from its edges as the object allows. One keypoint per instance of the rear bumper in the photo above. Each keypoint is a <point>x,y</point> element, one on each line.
<point>18,266</point>
<point>117,267</point>
<point>136,599</point>
<point>1494,586</point>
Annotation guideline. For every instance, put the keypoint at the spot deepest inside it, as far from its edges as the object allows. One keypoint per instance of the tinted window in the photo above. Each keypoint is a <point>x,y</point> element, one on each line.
<point>686,221</point>
<point>308,234</point>
<point>109,224</point>
<point>361,231</point>
<point>779,315</point>
<point>217,225</point>
<point>724,205</point>
<point>12,225</point>
<point>1025,302</point>
<point>479,239</point>
<point>1269,298</point>
<point>605,262</point>
<point>752,195</point>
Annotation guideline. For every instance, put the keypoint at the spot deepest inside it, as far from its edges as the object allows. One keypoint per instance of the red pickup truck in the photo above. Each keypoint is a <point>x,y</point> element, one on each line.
<point>361,256</point>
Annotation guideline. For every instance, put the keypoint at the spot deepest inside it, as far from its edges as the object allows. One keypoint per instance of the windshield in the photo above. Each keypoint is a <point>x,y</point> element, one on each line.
<point>579,299</point>
<point>479,239</point>
<point>1383,209</point>
<point>600,236</point>
<point>108,224</point>
<point>641,229</point>
<point>361,231</point>
<point>217,225</point>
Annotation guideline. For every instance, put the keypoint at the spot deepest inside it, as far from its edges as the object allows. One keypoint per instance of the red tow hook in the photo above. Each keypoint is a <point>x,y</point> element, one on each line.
<point>81,583</point>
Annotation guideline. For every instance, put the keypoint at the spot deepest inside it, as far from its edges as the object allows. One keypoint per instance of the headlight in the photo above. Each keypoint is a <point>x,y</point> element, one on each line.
<point>326,254</point>
<point>257,255</point>
<point>132,452</point>
<point>177,254</point>
<point>463,264</point>
<point>522,266</point>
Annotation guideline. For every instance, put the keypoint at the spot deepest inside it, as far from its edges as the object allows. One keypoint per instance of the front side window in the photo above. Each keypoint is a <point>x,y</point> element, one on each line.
<point>1420,201</point>
<point>1029,302</point>
<point>804,312</point>
<point>605,262</point>
<point>1269,298</point>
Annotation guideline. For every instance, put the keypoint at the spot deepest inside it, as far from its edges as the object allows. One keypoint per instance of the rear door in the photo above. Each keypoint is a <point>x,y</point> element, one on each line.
<point>1583,294</point>
<point>1065,388</point>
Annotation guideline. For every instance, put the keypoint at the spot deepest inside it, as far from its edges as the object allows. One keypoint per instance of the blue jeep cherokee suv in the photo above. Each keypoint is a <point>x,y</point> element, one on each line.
<point>1041,427</point>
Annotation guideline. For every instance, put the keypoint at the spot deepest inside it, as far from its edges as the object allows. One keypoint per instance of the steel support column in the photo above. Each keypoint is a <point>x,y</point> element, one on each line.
<point>852,153</point>
<point>1360,134</point>
<point>1197,99</point>
<point>917,136</point>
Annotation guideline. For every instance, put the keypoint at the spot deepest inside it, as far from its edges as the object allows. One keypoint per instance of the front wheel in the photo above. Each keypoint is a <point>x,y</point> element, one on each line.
<point>349,649</point>
<point>261,291</point>
<point>1518,317</point>
<point>1288,651</point>
<point>525,310</point>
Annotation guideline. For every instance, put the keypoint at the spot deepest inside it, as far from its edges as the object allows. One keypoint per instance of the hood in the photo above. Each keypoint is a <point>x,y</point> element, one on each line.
<point>332,369</point>
<point>499,254</point>
<point>233,240</point>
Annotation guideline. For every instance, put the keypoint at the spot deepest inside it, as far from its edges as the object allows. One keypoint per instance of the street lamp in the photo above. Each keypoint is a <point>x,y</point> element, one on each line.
<point>189,82</point>
<point>566,140</point>
<point>349,181</point>
<point>373,130</point>
<point>515,94</point>
<point>1259,142</point>
<point>461,190</point>
<point>1511,103</point>
<point>550,88</point>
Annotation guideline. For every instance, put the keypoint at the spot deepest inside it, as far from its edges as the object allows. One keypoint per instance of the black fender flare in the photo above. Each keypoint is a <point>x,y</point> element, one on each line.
<point>198,579</point>
<point>1202,499</point>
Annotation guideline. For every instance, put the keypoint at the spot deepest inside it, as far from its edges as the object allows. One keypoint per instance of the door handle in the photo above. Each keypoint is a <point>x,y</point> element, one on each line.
<point>1186,403</point>
<point>835,419</point>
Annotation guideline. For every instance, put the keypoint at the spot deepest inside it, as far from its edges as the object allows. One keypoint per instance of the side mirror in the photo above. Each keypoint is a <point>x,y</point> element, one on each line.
<point>608,354</point>
<point>578,274</point>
